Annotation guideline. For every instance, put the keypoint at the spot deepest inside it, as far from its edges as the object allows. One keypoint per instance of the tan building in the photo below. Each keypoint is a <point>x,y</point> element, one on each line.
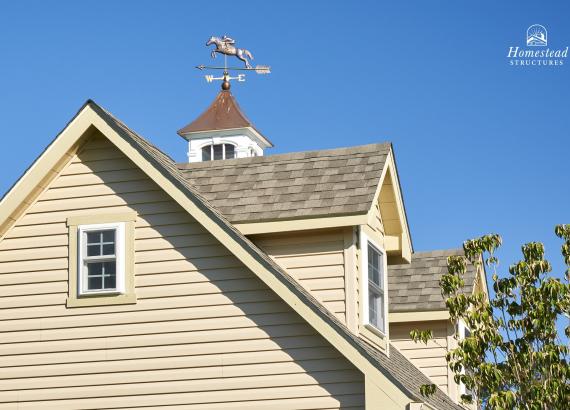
<point>233,281</point>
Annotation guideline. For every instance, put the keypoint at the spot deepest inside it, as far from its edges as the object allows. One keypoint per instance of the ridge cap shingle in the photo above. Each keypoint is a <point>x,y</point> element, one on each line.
<point>292,156</point>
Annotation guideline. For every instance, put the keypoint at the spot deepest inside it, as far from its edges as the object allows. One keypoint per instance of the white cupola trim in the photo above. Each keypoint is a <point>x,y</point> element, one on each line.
<point>223,132</point>
<point>244,144</point>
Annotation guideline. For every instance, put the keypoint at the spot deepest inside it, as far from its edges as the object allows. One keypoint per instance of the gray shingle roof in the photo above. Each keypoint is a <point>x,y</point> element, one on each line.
<point>397,368</point>
<point>287,186</point>
<point>415,286</point>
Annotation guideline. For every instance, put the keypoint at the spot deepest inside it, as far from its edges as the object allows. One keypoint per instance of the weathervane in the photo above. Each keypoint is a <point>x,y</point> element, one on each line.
<point>226,46</point>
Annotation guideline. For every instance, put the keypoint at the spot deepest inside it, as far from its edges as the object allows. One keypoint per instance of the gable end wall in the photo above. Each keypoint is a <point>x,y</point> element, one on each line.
<point>205,332</point>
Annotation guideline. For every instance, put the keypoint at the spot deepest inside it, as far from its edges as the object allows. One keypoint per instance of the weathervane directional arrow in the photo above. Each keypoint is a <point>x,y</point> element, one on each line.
<point>259,69</point>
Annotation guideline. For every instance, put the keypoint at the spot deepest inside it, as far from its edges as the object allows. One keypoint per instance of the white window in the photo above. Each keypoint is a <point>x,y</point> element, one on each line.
<point>218,151</point>
<point>101,261</point>
<point>373,284</point>
<point>463,332</point>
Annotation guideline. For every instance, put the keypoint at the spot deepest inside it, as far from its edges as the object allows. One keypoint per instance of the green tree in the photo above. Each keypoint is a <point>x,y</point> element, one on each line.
<point>514,357</point>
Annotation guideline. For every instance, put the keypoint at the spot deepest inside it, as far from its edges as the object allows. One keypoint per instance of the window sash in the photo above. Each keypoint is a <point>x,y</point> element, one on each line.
<point>216,152</point>
<point>229,151</point>
<point>96,259</point>
<point>100,244</point>
<point>375,265</point>
<point>85,262</point>
<point>103,276</point>
<point>373,285</point>
<point>376,309</point>
<point>102,256</point>
<point>375,288</point>
<point>207,153</point>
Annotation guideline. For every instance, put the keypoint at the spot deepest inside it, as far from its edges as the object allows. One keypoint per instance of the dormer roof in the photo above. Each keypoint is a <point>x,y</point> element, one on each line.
<point>312,184</point>
<point>223,114</point>
<point>308,190</point>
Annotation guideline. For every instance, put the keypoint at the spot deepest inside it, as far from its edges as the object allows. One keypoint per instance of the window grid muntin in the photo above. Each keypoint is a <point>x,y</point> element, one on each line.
<point>216,152</point>
<point>110,282</point>
<point>375,314</point>
<point>232,149</point>
<point>376,266</point>
<point>106,278</point>
<point>100,238</point>
<point>376,308</point>
<point>103,242</point>
<point>207,153</point>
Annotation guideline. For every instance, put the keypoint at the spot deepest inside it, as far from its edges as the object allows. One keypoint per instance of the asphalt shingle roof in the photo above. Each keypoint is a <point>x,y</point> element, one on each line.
<point>415,286</point>
<point>395,367</point>
<point>288,186</point>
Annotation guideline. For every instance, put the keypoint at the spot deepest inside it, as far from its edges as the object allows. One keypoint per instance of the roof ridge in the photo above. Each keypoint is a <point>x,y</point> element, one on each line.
<point>128,129</point>
<point>236,162</point>
<point>330,150</point>
<point>307,156</point>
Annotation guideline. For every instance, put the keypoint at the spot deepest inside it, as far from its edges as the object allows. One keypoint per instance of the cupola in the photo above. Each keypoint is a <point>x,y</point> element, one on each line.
<point>223,132</point>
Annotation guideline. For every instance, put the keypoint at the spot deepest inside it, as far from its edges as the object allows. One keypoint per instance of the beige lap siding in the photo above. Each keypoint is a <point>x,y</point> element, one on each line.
<point>205,332</point>
<point>429,358</point>
<point>315,259</point>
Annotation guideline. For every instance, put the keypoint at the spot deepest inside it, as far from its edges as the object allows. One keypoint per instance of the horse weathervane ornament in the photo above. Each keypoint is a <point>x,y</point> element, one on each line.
<point>226,45</point>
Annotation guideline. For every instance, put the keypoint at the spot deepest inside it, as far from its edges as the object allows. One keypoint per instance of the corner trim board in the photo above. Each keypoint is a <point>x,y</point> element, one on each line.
<point>350,282</point>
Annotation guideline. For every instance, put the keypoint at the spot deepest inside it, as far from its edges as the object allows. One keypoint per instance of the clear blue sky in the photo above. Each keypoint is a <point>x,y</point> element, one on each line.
<point>481,146</point>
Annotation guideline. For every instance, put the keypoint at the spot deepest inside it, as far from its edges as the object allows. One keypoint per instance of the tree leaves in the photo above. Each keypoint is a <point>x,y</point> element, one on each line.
<point>427,389</point>
<point>423,336</point>
<point>513,357</point>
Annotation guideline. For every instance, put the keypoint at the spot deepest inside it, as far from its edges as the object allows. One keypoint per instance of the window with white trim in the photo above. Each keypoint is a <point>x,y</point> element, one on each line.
<point>463,332</point>
<point>373,284</point>
<point>101,258</point>
<point>218,151</point>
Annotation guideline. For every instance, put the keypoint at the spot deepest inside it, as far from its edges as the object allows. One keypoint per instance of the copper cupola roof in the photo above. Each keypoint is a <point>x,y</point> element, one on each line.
<point>223,114</point>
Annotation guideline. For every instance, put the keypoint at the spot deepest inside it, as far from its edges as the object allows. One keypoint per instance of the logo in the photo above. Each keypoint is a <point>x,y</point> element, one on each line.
<point>536,36</point>
<point>538,53</point>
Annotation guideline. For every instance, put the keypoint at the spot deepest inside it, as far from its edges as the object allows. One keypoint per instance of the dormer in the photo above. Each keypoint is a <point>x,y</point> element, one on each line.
<point>223,132</point>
